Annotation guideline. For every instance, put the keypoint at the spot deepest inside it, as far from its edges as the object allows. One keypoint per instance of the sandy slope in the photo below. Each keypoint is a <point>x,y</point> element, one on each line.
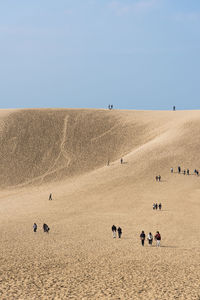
<point>66,152</point>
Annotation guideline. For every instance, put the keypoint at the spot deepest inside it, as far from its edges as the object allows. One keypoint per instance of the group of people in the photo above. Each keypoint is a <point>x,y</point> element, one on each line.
<point>110,106</point>
<point>158,178</point>
<point>116,230</point>
<point>157,237</point>
<point>185,171</point>
<point>45,227</point>
<point>156,206</point>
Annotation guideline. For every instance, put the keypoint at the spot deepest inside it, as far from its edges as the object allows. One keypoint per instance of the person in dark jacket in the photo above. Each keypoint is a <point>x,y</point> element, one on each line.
<point>119,232</point>
<point>46,228</point>
<point>34,227</point>
<point>114,229</point>
<point>142,237</point>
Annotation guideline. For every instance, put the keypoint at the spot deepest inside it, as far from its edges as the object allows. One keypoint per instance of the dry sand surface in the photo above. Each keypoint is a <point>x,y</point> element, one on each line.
<point>65,152</point>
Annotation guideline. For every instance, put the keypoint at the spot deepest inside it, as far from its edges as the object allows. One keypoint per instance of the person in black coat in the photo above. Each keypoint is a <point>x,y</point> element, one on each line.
<point>119,232</point>
<point>142,237</point>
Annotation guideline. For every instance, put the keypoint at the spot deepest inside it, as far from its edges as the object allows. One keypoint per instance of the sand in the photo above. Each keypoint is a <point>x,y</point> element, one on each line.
<point>65,152</point>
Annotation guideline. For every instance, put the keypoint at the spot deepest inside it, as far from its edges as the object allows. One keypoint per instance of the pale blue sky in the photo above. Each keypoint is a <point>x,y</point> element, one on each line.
<point>135,54</point>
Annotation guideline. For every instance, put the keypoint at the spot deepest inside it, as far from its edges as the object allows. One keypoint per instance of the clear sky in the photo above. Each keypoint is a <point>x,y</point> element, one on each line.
<point>134,54</point>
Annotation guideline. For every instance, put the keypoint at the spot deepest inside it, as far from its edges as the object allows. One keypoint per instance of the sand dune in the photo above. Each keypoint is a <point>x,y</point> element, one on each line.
<point>65,151</point>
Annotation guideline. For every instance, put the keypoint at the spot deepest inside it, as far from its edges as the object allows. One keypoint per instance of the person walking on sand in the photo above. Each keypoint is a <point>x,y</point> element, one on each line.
<point>121,161</point>
<point>156,206</point>
<point>119,232</point>
<point>184,172</point>
<point>142,237</point>
<point>188,172</point>
<point>50,196</point>
<point>160,206</point>
<point>150,238</point>
<point>179,169</point>
<point>34,227</point>
<point>46,228</point>
<point>172,170</point>
<point>114,229</point>
<point>158,239</point>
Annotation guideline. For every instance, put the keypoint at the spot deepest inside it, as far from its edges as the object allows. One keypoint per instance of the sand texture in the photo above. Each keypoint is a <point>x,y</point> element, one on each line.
<point>65,152</point>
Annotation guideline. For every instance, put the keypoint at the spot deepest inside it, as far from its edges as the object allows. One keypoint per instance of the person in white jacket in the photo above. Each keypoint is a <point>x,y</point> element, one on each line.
<point>150,238</point>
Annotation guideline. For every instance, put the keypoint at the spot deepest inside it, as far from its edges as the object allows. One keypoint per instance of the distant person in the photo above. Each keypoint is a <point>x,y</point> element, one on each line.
<point>119,232</point>
<point>150,238</point>
<point>114,229</point>
<point>174,108</point>
<point>156,206</point>
<point>46,228</point>
<point>184,172</point>
<point>156,178</point>
<point>108,163</point>
<point>160,206</point>
<point>197,173</point>
<point>188,172</point>
<point>159,178</point>
<point>111,107</point>
<point>121,161</point>
<point>50,197</point>
<point>142,237</point>
<point>34,227</point>
<point>179,169</point>
<point>158,239</point>
<point>172,170</point>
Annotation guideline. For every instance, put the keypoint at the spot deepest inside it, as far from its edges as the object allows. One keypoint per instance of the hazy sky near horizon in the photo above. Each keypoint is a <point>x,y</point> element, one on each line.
<point>134,54</point>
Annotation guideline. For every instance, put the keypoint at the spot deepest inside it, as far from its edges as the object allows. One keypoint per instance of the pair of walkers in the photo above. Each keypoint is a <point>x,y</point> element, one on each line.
<point>158,178</point>
<point>45,227</point>
<point>115,230</point>
<point>156,206</point>
<point>157,237</point>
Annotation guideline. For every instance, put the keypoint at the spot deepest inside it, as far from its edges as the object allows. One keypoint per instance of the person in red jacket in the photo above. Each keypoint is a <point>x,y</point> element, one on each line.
<point>158,239</point>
